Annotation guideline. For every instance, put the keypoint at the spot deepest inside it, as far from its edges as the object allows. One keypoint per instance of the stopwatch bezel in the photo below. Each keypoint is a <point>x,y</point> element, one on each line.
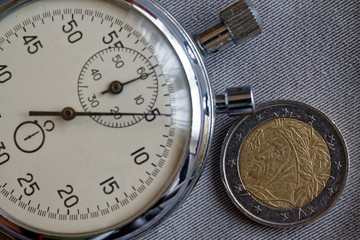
<point>202,123</point>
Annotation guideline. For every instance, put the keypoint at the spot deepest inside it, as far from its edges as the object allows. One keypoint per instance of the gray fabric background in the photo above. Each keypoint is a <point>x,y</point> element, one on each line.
<point>308,51</point>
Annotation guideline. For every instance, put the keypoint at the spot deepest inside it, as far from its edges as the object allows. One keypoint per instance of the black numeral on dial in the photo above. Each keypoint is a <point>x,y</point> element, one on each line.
<point>152,115</point>
<point>33,44</point>
<point>74,36</point>
<point>96,74</point>
<point>4,157</point>
<point>111,37</point>
<point>4,75</point>
<point>31,186</point>
<point>93,101</point>
<point>70,199</point>
<point>118,62</point>
<point>140,156</point>
<point>109,185</point>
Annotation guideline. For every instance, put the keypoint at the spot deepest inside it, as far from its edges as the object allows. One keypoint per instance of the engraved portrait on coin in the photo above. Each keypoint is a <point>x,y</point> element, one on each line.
<point>284,163</point>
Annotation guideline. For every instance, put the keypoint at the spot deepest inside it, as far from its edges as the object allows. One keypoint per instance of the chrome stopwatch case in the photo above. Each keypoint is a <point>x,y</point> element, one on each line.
<point>106,114</point>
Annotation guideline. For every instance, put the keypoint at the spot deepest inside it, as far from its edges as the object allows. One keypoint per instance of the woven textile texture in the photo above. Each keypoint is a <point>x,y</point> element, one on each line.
<point>309,51</point>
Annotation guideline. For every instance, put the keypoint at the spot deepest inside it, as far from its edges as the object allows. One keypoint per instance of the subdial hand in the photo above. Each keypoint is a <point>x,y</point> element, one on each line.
<point>69,113</point>
<point>116,87</point>
<point>30,136</point>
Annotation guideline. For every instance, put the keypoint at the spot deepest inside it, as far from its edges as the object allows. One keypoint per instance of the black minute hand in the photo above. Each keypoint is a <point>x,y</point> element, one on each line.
<point>69,113</point>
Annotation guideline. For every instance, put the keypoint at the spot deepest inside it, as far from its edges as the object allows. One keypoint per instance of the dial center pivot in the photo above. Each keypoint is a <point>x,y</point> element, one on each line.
<point>116,87</point>
<point>68,113</point>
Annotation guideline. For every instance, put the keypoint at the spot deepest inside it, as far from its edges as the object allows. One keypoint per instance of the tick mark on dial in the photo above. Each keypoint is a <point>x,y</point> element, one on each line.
<point>135,57</point>
<point>102,59</point>
<point>153,67</point>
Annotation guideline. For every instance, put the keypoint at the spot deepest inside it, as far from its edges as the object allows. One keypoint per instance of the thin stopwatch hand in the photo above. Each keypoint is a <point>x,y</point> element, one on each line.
<point>116,87</point>
<point>69,113</point>
<point>30,136</point>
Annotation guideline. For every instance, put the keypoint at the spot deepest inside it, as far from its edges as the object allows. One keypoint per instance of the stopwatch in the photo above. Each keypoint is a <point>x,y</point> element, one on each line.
<point>106,114</point>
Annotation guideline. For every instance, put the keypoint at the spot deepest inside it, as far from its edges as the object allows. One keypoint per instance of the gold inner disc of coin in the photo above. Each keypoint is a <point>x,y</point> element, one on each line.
<point>284,163</point>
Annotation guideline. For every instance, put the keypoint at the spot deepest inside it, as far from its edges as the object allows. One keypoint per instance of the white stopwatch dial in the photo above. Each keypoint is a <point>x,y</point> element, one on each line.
<point>100,110</point>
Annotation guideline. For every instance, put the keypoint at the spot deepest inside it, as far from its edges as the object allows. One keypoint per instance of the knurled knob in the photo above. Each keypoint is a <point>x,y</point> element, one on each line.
<point>239,22</point>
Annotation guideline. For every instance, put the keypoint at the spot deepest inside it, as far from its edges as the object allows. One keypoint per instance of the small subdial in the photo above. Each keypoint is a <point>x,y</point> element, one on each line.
<point>120,81</point>
<point>29,137</point>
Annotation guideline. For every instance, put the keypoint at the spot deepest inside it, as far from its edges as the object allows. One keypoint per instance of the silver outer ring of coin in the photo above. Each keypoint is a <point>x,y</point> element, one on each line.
<point>254,209</point>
